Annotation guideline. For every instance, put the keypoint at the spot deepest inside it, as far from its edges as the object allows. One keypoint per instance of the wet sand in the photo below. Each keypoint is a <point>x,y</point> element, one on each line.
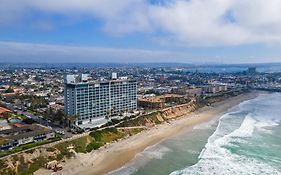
<point>115,155</point>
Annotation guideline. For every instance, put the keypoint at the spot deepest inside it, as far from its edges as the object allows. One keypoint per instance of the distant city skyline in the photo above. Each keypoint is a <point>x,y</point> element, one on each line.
<point>140,31</point>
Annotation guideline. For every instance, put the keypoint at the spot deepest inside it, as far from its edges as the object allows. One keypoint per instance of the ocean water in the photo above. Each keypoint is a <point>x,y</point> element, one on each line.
<point>245,141</point>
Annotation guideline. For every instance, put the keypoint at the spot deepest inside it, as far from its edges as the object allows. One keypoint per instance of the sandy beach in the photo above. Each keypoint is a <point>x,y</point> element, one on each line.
<point>115,155</point>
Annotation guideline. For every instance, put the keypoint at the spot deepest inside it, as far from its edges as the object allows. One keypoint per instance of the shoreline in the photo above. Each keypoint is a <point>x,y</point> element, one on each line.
<point>115,155</point>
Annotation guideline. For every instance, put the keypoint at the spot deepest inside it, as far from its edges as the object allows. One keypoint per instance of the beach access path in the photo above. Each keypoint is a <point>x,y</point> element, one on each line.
<point>115,155</point>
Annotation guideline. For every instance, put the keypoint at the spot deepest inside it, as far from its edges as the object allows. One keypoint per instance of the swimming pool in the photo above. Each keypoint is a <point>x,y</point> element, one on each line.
<point>14,121</point>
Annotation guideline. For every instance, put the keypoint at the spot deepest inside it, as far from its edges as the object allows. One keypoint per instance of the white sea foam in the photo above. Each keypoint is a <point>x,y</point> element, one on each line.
<point>217,159</point>
<point>223,154</point>
<point>267,123</point>
<point>229,166</point>
<point>266,126</point>
<point>246,129</point>
<point>214,148</point>
<point>125,170</point>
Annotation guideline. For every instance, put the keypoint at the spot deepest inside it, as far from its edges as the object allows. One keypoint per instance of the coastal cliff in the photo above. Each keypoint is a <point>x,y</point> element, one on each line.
<point>30,161</point>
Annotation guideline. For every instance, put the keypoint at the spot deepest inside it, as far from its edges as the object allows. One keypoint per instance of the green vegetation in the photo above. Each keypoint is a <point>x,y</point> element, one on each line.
<point>51,149</point>
<point>23,167</point>
<point>28,121</point>
<point>79,144</point>
<point>94,140</point>
<point>94,146</point>
<point>60,117</point>
<point>85,144</point>
<point>136,131</point>
<point>36,165</point>
<point>141,120</point>
<point>35,101</point>
<point>2,165</point>
<point>111,134</point>
<point>9,90</point>
<point>4,169</point>
<point>7,115</point>
<point>55,115</point>
<point>59,157</point>
<point>96,135</point>
<point>27,146</point>
<point>154,118</point>
<point>26,169</point>
<point>220,96</point>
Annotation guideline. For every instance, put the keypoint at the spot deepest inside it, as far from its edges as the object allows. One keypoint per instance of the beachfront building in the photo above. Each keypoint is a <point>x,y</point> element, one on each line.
<point>96,101</point>
<point>14,137</point>
<point>162,101</point>
<point>214,88</point>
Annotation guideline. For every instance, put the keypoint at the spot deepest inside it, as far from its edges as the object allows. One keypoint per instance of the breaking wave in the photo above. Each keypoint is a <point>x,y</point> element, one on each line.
<point>234,129</point>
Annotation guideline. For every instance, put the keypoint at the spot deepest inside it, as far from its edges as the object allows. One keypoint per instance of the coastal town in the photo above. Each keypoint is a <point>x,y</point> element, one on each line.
<point>62,111</point>
<point>140,87</point>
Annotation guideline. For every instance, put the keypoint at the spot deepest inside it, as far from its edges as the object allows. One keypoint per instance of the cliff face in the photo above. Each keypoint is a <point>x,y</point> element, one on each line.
<point>26,162</point>
<point>161,116</point>
<point>176,111</point>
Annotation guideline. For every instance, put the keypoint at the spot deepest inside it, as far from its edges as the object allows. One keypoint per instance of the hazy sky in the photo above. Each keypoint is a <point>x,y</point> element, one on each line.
<point>191,31</point>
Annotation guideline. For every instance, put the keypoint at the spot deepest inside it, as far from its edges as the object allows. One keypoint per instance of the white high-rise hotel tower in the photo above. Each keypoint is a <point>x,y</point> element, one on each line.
<point>94,101</point>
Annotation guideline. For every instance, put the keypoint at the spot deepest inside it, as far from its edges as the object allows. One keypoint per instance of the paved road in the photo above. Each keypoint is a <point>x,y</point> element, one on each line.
<point>133,127</point>
<point>49,144</point>
<point>47,123</point>
<point>74,136</point>
<point>40,120</point>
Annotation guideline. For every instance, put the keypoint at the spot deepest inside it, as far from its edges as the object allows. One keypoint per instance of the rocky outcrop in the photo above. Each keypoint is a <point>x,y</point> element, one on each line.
<point>176,111</point>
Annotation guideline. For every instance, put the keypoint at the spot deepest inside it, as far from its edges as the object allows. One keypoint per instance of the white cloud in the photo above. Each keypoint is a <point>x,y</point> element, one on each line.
<point>221,22</point>
<point>32,52</point>
<point>18,52</point>
<point>184,22</point>
<point>119,16</point>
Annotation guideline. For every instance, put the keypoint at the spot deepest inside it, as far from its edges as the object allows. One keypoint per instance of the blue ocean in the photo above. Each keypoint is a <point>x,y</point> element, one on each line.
<point>245,141</point>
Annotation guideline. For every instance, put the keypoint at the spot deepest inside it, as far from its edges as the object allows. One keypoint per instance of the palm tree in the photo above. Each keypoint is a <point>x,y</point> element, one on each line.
<point>108,114</point>
<point>60,116</point>
<point>70,119</point>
